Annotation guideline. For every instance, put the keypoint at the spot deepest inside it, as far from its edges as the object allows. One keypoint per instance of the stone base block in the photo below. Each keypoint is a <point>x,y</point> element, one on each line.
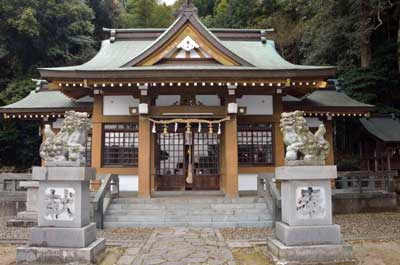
<point>75,173</point>
<point>307,235</point>
<point>21,223</point>
<point>306,255</point>
<point>64,203</point>
<point>63,237</point>
<point>48,255</point>
<point>27,216</point>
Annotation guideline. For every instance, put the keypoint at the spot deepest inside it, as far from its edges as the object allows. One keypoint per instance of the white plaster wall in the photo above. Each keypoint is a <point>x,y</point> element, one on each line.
<point>247,182</point>
<point>313,122</point>
<point>128,183</point>
<point>167,100</point>
<point>257,104</point>
<point>209,100</point>
<point>118,105</point>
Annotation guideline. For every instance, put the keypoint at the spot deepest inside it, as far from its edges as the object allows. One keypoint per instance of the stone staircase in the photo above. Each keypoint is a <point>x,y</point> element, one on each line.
<point>216,211</point>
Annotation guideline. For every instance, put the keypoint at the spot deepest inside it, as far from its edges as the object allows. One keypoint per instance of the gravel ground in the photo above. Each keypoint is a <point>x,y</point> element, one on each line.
<point>21,233</point>
<point>354,226</point>
<point>11,233</point>
<point>141,234</point>
<point>384,225</point>
<point>251,234</point>
<point>369,225</point>
<point>377,252</point>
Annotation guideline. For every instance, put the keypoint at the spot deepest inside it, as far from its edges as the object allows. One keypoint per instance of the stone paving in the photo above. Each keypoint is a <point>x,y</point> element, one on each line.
<point>181,246</point>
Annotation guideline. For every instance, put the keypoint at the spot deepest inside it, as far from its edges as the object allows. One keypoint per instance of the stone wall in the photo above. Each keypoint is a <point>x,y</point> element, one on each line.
<point>364,202</point>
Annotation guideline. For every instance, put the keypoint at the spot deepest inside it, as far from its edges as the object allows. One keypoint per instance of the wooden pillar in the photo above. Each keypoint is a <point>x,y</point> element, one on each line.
<point>330,160</point>
<point>231,166</point>
<point>97,131</point>
<point>144,158</point>
<point>278,138</point>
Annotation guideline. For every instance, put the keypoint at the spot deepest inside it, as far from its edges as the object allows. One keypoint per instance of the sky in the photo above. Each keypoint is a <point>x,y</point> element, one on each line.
<point>168,2</point>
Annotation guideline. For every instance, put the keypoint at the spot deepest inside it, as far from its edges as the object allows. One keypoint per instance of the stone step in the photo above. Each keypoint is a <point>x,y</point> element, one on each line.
<point>165,206</point>
<point>157,212</point>
<point>191,200</point>
<point>189,218</point>
<point>188,211</point>
<point>108,224</point>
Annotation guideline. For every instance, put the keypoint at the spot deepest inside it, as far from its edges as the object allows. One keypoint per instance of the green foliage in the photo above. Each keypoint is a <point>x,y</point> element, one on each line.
<point>146,14</point>
<point>20,143</point>
<point>106,15</point>
<point>42,33</point>
<point>15,91</point>
<point>233,14</point>
<point>36,33</point>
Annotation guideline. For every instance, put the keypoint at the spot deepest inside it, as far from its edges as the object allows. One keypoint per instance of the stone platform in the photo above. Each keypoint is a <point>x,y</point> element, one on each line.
<point>340,254</point>
<point>63,237</point>
<point>189,211</point>
<point>53,255</point>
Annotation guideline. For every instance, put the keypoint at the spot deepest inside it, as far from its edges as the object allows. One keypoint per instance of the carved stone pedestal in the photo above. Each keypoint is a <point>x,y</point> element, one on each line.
<point>64,232</point>
<point>306,234</point>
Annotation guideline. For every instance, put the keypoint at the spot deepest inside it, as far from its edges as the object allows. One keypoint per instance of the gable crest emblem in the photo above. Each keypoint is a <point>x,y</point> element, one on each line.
<point>188,44</point>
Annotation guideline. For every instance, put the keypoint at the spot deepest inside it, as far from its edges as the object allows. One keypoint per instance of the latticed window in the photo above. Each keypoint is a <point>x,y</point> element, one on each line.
<point>120,144</point>
<point>255,144</point>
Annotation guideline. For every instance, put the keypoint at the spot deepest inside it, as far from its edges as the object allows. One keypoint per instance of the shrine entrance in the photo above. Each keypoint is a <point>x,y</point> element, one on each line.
<point>187,158</point>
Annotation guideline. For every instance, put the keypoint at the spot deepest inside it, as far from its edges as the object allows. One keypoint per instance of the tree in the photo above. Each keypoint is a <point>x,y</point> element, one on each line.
<point>45,33</point>
<point>36,33</point>
<point>106,15</point>
<point>146,14</point>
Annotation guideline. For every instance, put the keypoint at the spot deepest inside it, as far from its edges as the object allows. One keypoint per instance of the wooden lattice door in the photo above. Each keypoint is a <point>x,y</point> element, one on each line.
<point>179,152</point>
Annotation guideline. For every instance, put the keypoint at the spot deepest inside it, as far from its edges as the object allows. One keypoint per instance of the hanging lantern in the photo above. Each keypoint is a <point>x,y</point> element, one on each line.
<point>165,129</point>
<point>176,127</point>
<point>210,128</point>
<point>219,128</point>
<point>153,130</point>
<point>188,128</point>
<point>199,129</point>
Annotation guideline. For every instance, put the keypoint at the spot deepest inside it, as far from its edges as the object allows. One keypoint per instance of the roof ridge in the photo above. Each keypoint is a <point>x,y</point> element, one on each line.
<point>184,18</point>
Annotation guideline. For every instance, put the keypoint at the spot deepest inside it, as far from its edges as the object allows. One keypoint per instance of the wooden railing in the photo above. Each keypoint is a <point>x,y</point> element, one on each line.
<point>109,190</point>
<point>365,181</point>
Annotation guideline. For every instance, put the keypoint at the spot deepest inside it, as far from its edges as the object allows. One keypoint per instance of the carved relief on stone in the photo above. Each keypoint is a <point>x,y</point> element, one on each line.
<point>60,204</point>
<point>302,146</point>
<point>310,202</point>
<point>66,148</point>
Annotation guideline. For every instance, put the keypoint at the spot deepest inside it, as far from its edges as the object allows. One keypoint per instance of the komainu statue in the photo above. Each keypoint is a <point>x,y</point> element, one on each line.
<point>66,148</point>
<point>302,146</point>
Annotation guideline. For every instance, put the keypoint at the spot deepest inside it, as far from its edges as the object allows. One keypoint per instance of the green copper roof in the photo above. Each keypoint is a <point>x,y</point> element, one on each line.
<point>385,128</point>
<point>329,98</point>
<point>113,55</point>
<point>49,100</point>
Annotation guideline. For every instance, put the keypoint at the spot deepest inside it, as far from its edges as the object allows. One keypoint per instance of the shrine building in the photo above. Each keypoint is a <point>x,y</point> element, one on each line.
<point>187,108</point>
